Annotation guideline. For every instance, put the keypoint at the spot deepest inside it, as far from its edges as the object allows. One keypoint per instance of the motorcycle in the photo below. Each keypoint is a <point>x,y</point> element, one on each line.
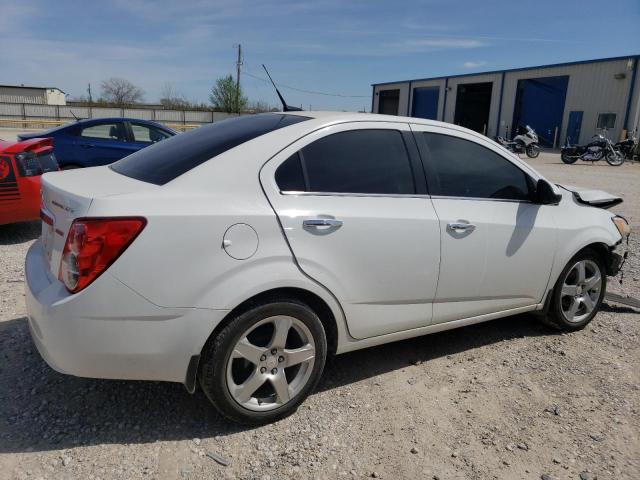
<point>600,147</point>
<point>525,142</point>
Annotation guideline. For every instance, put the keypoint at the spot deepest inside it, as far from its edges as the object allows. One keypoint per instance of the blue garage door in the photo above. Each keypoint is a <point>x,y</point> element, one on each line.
<point>425,103</point>
<point>540,104</point>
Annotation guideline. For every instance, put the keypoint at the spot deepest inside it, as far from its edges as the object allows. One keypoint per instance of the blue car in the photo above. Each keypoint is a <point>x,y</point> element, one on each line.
<point>100,141</point>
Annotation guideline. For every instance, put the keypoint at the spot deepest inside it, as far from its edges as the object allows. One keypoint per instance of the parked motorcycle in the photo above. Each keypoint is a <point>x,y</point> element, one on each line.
<point>525,142</point>
<point>600,147</point>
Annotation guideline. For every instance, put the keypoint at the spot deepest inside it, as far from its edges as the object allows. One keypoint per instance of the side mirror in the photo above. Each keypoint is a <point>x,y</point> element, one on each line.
<point>545,195</point>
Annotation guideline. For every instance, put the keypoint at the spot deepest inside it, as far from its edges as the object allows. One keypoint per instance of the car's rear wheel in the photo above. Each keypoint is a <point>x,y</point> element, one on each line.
<point>264,362</point>
<point>578,293</point>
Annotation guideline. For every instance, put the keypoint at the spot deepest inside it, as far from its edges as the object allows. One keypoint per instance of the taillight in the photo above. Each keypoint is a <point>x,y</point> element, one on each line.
<point>28,164</point>
<point>92,245</point>
<point>31,165</point>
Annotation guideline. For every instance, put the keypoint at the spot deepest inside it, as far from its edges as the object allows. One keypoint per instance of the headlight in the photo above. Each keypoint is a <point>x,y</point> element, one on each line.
<point>622,225</point>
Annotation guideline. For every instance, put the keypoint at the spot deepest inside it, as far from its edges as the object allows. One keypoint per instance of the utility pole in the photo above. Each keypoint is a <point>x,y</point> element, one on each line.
<point>238,64</point>
<point>89,92</point>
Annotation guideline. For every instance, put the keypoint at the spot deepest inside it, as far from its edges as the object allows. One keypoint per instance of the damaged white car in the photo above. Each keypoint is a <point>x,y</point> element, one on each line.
<point>241,254</point>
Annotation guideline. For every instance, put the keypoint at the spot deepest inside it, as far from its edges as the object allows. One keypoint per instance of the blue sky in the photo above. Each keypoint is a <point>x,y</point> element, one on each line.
<point>334,46</point>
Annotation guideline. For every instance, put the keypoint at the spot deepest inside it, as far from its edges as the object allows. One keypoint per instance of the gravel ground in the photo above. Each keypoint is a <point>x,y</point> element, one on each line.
<point>508,399</point>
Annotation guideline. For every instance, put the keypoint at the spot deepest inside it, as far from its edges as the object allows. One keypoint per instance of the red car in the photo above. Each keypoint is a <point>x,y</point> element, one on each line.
<point>21,164</point>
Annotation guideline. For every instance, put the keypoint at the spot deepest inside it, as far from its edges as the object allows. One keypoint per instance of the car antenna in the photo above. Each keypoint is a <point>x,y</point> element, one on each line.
<point>74,115</point>
<point>285,107</point>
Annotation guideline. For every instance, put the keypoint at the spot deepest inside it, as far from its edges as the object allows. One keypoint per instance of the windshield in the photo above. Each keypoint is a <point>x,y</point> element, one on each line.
<point>164,161</point>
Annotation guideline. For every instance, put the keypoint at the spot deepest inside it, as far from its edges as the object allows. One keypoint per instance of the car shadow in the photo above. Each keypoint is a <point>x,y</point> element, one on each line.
<point>15,233</point>
<point>42,410</point>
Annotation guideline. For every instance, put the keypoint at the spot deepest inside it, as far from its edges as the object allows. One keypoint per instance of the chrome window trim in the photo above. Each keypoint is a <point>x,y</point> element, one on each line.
<point>398,195</point>
<point>348,194</point>
<point>483,199</point>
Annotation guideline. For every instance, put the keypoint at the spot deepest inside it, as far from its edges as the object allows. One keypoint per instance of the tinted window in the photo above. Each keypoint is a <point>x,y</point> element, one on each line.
<point>105,131</point>
<point>162,162</point>
<point>289,176</point>
<point>147,134</point>
<point>358,161</point>
<point>461,168</point>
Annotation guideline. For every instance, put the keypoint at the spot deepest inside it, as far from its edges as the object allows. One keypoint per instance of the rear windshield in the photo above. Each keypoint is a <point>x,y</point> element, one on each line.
<point>162,162</point>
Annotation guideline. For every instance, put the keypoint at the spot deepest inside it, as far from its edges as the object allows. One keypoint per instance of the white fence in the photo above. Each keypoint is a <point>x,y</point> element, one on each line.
<point>30,111</point>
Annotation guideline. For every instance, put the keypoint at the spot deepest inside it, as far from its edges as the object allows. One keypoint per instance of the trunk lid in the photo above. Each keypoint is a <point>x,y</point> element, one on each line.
<point>595,198</point>
<point>68,195</point>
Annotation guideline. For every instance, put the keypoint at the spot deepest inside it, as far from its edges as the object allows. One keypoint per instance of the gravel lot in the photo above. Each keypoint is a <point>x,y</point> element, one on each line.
<point>508,399</point>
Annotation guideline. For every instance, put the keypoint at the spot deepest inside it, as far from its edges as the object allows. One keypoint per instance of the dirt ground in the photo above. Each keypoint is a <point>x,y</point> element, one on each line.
<point>508,399</point>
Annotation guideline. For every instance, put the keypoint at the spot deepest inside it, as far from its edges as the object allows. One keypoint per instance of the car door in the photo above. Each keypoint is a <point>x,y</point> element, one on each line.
<point>497,246</point>
<point>102,143</point>
<point>351,199</point>
<point>142,135</point>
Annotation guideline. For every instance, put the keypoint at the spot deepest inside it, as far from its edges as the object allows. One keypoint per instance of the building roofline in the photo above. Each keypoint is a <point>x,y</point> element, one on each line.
<point>32,88</point>
<point>508,70</point>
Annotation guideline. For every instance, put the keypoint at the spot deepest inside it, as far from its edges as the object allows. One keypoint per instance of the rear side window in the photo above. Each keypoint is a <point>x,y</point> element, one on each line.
<point>357,161</point>
<point>164,161</point>
<point>105,131</point>
<point>461,168</point>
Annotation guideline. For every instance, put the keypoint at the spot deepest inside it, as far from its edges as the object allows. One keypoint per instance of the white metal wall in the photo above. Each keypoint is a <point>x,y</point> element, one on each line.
<point>404,93</point>
<point>23,95</point>
<point>594,88</point>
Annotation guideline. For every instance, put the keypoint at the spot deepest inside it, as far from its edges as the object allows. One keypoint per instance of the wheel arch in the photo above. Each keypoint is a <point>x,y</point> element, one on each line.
<point>313,300</point>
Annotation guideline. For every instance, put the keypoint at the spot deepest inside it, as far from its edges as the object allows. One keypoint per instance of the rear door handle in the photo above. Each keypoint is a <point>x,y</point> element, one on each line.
<point>460,226</point>
<point>321,222</point>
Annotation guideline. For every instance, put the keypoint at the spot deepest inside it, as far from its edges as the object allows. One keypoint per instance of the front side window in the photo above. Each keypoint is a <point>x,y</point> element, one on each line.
<point>105,131</point>
<point>147,134</point>
<point>606,120</point>
<point>462,168</point>
<point>358,161</point>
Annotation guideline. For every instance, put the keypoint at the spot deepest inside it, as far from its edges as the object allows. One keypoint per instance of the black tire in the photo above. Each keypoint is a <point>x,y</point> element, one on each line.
<point>218,350</point>
<point>556,317</point>
<point>615,159</point>
<point>533,151</point>
<point>567,159</point>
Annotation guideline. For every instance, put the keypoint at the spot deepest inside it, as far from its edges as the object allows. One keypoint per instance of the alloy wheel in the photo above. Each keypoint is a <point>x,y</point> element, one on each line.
<point>270,363</point>
<point>580,290</point>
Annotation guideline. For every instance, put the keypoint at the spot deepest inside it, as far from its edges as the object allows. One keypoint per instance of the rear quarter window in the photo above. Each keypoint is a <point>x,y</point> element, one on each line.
<point>164,161</point>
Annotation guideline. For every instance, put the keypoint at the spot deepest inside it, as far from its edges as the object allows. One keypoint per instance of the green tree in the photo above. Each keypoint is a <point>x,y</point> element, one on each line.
<point>225,97</point>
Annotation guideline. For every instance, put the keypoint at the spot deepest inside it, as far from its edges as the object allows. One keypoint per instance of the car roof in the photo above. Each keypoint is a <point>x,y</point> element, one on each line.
<point>330,116</point>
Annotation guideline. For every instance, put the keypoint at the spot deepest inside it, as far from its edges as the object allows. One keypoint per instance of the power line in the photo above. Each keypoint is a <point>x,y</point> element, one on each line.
<point>312,92</point>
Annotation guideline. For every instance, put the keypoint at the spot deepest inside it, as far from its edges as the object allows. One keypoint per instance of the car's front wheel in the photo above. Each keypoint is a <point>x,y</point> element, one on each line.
<point>578,293</point>
<point>264,362</point>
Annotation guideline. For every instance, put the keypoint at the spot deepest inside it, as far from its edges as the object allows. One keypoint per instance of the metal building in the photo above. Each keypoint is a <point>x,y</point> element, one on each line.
<point>575,100</point>
<point>34,95</point>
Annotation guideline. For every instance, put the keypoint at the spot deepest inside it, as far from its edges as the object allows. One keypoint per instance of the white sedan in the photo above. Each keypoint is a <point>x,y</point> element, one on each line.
<point>241,254</point>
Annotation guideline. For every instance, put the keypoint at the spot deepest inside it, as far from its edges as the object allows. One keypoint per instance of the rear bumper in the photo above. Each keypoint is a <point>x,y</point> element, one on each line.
<point>108,330</point>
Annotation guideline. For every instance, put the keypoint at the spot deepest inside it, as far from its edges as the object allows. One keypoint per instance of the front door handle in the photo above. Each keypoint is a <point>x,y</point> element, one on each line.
<point>460,226</point>
<point>321,222</point>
